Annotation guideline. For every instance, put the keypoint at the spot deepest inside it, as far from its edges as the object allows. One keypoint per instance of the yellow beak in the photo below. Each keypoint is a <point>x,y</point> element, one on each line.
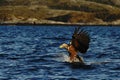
<point>60,46</point>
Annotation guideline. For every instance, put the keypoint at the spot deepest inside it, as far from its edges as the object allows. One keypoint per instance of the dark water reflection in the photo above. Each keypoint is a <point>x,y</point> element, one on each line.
<point>32,53</point>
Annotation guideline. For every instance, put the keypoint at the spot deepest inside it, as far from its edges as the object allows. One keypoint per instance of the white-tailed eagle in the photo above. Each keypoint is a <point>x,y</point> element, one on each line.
<point>79,43</point>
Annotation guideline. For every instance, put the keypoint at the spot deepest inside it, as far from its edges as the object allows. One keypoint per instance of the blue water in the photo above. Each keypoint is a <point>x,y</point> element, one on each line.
<point>32,53</point>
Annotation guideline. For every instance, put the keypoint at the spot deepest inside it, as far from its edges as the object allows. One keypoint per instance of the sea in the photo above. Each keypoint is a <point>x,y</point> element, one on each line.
<point>33,53</point>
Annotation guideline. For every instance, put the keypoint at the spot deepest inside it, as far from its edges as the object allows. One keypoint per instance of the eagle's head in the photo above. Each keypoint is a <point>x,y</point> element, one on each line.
<point>64,45</point>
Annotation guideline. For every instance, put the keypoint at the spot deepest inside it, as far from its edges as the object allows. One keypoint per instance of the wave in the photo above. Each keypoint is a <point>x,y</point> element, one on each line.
<point>55,38</point>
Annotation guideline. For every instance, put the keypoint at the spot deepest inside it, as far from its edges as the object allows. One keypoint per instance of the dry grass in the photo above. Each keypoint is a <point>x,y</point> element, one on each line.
<point>59,10</point>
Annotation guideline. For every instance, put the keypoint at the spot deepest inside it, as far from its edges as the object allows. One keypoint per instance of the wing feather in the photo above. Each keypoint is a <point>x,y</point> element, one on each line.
<point>80,40</point>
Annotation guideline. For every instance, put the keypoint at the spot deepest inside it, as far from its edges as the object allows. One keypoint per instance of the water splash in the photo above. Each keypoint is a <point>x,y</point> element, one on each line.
<point>63,57</point>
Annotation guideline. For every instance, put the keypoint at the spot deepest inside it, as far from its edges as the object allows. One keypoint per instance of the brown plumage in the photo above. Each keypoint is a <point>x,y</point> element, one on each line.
<point>80,40</point>
<point>79,43</point>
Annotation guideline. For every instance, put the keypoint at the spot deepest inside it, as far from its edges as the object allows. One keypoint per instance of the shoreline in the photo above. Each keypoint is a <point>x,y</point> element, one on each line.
<point>56,24</point>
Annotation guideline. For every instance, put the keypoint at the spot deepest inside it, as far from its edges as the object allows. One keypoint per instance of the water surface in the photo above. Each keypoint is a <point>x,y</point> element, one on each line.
<point>32,53</point>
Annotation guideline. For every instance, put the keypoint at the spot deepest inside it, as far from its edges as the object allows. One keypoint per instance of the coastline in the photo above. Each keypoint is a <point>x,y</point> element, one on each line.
<point>58,24</point>
<point>63,13</point>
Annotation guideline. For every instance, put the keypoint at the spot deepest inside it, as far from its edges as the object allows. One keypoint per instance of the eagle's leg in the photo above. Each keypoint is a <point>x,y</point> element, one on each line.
<point>76,58</point>
<point>80,59</point>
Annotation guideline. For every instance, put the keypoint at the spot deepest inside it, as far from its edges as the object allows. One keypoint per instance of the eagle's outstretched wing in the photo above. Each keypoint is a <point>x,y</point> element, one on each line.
<point>80,40</point>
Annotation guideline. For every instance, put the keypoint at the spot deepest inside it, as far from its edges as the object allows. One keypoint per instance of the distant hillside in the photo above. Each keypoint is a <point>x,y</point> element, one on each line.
<point>109,2</point>
<point>87,12</point>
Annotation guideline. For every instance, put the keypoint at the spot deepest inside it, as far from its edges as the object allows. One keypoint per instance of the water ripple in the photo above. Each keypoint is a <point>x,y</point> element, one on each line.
<point>32,53</point>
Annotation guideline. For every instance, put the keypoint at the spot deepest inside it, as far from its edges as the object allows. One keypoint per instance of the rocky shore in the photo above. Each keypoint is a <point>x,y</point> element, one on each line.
<point>64,12</point>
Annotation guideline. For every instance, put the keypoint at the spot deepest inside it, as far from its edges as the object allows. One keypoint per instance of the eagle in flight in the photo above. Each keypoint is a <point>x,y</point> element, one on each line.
<point>79,43</point>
